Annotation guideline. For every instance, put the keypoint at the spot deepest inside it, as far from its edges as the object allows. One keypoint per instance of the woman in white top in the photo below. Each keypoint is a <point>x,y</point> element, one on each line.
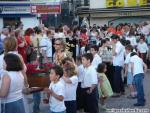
<point>142,48</point>
<point>12,85</point>
<point>10,46</point>
<point>71,82</point>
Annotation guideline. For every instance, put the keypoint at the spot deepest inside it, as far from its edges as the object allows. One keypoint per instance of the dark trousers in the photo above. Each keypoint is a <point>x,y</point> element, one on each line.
<point>118,82</point>
<point>71,106</point>
<point>90,101</point>
<point>138,79</point>
<point>110,73</point>
<point>79,97</point>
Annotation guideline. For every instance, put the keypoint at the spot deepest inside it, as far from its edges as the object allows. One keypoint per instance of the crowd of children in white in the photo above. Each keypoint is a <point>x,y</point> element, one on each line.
<point>104,56</point>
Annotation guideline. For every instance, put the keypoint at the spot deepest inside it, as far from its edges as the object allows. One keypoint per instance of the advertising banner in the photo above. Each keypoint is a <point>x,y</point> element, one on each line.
<point>45,1</point>
<point>46,9</point>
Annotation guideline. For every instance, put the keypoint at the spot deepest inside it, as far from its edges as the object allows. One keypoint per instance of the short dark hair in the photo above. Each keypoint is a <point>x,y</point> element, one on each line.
<point>101,67</point>
<point>58,70</point>
<point>13,62</point>
<point>88,56</point>
<point>129,47</point>
<point>95,47</point>
<point>132,54</point>
<point>114,36</point>
<point>79,59</point>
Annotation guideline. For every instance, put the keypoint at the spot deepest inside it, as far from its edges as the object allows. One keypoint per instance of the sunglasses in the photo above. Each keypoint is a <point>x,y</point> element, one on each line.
<point>56,44</point>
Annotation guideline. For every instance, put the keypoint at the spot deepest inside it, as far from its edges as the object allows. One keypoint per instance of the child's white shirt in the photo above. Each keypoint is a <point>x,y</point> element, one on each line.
<point>80,72</point>
<point>59,89</point>
<point>90,77</point>
<point>96,60</point>
<point>70,89</point>
<point>127,61</point>
<point>142,48</point>
<point>138,64</point>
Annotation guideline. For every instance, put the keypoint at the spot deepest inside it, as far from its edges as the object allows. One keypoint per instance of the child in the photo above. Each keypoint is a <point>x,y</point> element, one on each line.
<point>12,85</point>
<point>97,59</point>
<point>142,48</point>
<point>56,91</point>
<point>89,85</point>
<point>71,81</point>
<point>80,70</point>
<point>138,68</point>
<point>128,72</point>
<point>105,87</point>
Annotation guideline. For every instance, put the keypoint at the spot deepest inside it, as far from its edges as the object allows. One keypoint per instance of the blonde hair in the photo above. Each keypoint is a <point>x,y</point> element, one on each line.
<point>70,69</point>
<point>10,44</point>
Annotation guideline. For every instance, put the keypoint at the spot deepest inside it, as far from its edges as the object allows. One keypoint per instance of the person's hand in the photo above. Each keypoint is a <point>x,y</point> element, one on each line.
<point>47,90</point>
<point>89,91</point>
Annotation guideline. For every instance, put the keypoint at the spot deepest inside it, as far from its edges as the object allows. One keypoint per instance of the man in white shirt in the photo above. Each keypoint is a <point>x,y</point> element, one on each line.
<point>46,42</point>
<point>138,69</point>
<point>96,58</point>
<point>118,62</point>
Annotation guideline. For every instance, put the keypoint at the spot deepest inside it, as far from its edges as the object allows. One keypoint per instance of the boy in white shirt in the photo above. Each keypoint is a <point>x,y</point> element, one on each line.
<point>142,48</point>
<point>97,59</point>
<point>128,72</point>
<point>89,85</point>
<point>118,62</point>
<point>138,69</point>
<point>56,91</point>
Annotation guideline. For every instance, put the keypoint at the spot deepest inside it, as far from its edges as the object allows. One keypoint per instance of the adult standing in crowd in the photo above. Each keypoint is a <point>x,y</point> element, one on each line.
<point>118,62</point>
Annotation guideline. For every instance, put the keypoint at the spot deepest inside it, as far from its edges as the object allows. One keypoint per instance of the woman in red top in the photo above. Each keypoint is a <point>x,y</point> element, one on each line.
<point>22,45</point>
<point>84,38</point>
<point>29,33</point>
<point>119,30</point>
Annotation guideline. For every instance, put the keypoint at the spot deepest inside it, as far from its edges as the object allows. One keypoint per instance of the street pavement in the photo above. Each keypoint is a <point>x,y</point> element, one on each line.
<point>114,105</point>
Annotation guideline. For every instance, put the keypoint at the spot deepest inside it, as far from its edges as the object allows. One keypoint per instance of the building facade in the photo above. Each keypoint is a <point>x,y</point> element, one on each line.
<point>116,11</point>
<point>14,11</point>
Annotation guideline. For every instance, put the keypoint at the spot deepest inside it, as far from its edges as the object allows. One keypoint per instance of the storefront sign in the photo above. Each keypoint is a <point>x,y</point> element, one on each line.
<point>46,9</point>
<point>15,9</point>
<point>125,3</point>
<point>45,1</point>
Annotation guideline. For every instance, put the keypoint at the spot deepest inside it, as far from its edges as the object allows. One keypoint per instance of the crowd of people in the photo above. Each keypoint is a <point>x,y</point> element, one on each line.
<point>91,64</point>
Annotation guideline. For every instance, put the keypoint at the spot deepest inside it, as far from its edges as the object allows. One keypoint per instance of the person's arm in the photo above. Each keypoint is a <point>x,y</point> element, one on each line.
<point>58,97</point>
<point>24,72</point>
<point>145,67</point>
<point>126,69</point>
<point>5,86</point>
<point>132,67</point>
<point>67,80</point>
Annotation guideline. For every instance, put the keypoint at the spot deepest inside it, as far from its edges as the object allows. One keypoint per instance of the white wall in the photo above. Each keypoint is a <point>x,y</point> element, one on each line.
<point>1,24</point>
<point>97,4</point>
<point>102,21</point>
<point>29,22</point>
<point>99,21</point>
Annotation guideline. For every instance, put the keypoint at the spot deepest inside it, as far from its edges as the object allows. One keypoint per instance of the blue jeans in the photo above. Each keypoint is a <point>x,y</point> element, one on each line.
<point>138,79</point>
<point>36,102</point>
<point>59,112</point>
<point>13,107</point>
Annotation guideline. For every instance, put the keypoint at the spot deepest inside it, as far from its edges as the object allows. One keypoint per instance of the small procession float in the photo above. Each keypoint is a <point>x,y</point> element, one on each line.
<point>38,73</point>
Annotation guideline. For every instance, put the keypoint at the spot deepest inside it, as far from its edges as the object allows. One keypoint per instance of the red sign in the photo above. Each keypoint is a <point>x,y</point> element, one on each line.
<point>46,9</point>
